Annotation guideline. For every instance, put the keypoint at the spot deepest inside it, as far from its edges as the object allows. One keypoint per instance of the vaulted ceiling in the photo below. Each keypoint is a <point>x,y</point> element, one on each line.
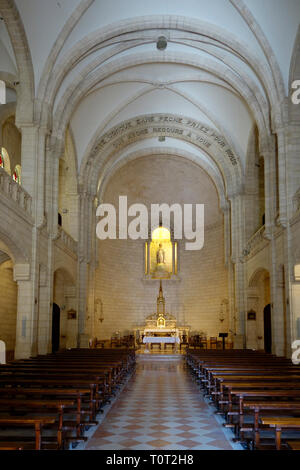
<point>96,64</point>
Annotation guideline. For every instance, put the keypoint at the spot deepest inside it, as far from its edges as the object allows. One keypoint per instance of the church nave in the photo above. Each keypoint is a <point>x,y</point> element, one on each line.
<point>161,408</point>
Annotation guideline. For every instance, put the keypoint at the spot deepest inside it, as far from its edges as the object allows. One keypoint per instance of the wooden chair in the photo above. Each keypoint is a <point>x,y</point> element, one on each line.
<point>184,341</point>
<point>203,342</point>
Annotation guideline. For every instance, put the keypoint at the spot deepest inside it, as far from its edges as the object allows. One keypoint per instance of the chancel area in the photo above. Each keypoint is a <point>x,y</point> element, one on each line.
<point>149,225</point>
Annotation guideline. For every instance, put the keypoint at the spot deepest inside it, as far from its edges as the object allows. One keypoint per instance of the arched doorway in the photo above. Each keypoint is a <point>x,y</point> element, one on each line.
<point>259,326</point>
<point>267,329</point>
<point>64,320</point>
<point>55,327</point>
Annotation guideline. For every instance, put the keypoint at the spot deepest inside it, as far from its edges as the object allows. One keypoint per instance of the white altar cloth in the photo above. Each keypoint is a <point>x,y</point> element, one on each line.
<point>161,339</point>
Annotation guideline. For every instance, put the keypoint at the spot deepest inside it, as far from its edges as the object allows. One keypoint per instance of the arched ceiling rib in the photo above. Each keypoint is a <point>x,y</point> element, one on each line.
<point>93,61</point>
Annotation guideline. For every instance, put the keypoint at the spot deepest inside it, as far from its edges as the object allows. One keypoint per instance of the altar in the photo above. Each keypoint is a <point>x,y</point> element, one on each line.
<point>162,341</point>
<point>160,328</point>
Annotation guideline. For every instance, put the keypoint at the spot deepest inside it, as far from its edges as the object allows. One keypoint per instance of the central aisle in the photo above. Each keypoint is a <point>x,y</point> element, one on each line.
<point>160,408</point>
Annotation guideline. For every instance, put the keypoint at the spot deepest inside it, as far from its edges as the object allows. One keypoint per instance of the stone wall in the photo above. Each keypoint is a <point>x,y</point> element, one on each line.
<point>8,305</point>
<point>194,299</point>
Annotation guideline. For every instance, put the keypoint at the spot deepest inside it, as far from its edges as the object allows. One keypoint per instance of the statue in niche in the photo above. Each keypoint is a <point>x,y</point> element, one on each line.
<point>160,255</point>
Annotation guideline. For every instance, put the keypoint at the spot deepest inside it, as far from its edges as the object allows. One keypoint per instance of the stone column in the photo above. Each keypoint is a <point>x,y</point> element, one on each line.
<point>33,168</point>
<point>229,265</point>
<point>270,181</point>
<point>26,319</point>
<point>87,216</point>
<point>237,231</point>
<point>282,176</point>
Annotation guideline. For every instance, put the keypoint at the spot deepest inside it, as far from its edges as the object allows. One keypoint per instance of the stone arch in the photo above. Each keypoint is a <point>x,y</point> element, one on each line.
<point>6,111</point>
<point>269,75</point>
<point>104,125</point>
<point>59,43</point>
<point>20,45</point>
<point>10,243</point>
<point>295,60</point>
<point>141,127</point>
<point>76,92</point>
<point>216,177</point>
<point>66,273</point>
<point>265,45</point>
<point>255,277</point>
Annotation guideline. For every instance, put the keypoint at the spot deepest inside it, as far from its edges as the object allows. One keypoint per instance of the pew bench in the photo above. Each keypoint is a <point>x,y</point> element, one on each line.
<point>267,406</point>
<point>59,393</point>
<point>294,445</point>
<point>59,406</point>
<point>35,421</point>
<point>280,423</point>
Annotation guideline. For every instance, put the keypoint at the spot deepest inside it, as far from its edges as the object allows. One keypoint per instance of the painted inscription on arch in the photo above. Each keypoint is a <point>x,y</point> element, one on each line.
<point>169,126</point>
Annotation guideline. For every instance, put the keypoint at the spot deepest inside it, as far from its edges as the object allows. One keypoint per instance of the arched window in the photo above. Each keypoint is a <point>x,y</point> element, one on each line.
<point>17,174</point>
<point>4,160</point>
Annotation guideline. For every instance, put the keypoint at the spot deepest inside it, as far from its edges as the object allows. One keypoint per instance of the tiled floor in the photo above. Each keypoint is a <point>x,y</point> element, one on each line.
<point>160,408</point>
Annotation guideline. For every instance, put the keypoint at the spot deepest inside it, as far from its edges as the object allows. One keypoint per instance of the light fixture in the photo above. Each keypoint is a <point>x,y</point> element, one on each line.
<point>162,43</point>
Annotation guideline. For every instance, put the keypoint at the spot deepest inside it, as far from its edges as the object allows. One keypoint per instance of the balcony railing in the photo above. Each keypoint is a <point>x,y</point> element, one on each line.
<point>255,241</point>
<point>67,240</point>
<point>15,192</point>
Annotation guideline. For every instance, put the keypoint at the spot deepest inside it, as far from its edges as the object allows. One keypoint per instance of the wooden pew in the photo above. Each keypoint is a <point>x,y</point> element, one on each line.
<point>294,445</point>
<point>72,377</point>
<point>60,393</point>
<point>10,447</point>
<point>241,395</point>
<point>18,404</point>
<point>280,423</point>
<point>63,383</point>
<point>37,421</point>
<point>223,373</point>
<point>259,406</point>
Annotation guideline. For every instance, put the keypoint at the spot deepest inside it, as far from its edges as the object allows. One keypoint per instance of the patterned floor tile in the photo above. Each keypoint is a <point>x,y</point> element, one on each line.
<point>160,408</point>
<point>158,443</point>
<point>129,443</point>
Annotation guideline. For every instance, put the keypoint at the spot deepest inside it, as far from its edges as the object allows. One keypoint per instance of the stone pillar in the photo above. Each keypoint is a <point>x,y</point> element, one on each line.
<point>282,176</point>
<point>269,155</point>
<point>230,267</point>
<point>26,319</point>
<point>86,251</point>
<point>33,168</point>
<point>237,231</point>
<point>45,307</point>
<point>279,319</point>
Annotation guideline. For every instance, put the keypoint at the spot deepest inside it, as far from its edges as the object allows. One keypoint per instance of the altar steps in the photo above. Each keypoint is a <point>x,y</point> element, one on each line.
<point>158,357</point>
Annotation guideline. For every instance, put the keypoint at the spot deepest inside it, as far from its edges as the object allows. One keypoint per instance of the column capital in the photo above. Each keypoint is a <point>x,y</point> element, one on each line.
<point>22,272</point>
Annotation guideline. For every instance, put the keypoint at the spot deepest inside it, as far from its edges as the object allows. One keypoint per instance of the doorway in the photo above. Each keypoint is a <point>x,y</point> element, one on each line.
<point>267,329</point>
<point>55,327</point>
